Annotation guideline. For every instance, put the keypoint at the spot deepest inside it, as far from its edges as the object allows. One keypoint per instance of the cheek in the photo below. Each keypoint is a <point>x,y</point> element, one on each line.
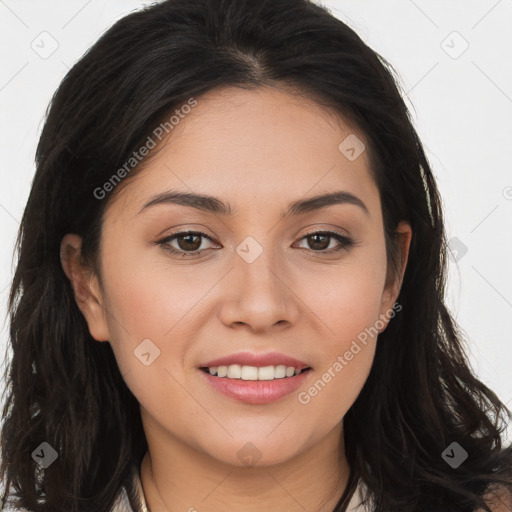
<point>348,350</point>
<point>150,297</point>
<point>141,305</point>
<point>336,386</point>
<point>147,338</point>
<point>348,303</point>
<point>348,297</point>
<point>152,300</point>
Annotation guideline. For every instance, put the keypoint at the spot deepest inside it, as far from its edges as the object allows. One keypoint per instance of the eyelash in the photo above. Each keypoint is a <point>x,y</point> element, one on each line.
<point>345,241</point>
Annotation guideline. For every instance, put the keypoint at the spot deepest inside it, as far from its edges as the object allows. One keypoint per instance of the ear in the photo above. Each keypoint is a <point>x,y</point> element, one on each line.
<point>393,280</point>
<point>84,282</point>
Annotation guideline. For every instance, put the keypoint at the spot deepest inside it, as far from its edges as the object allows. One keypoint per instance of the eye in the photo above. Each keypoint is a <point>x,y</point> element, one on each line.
<point>189,243</point>
<point>318,241</point>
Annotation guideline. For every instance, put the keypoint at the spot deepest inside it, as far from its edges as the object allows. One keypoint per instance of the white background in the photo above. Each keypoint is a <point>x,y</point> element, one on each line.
<point>462,108</point>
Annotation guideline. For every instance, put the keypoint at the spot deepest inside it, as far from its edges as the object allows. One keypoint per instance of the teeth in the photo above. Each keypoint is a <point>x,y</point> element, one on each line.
<point>250,373</point>
<point>236,371</point>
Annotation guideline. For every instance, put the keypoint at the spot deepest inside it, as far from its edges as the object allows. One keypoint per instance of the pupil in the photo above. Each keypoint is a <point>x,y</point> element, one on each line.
<point>322,245</point>
<point>194,247</point>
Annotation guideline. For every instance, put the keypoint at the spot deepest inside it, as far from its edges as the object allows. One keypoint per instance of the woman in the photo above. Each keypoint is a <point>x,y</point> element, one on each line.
<point>229,291</point>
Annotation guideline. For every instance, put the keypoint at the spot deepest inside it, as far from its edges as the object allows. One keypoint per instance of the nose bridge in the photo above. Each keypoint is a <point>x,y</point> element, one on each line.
<point>261,298</point>
<point>257,263</point>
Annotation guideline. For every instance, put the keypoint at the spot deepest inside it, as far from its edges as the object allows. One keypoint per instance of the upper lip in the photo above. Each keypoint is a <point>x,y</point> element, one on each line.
<point>250,359</point>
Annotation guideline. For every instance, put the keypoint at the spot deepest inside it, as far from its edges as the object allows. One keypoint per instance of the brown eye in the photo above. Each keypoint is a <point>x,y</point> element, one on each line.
<point>319,241</point>
<point>188,243</point>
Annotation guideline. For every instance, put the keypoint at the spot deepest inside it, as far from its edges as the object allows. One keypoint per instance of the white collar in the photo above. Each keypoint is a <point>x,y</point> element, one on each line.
<point>140,490</point>
<point>354,504</point>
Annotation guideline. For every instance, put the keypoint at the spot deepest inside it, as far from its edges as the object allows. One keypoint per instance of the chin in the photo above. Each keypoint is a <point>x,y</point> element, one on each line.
<point>256,450</point>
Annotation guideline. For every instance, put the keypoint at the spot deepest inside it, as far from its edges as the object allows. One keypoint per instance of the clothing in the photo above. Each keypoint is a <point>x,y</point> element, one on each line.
<point>123,504</point>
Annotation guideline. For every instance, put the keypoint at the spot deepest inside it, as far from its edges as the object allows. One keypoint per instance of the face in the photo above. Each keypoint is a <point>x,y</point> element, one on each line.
<point>258,284</point>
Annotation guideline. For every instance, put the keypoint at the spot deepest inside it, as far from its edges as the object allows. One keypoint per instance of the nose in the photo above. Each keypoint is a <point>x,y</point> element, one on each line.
<point>258,295</point>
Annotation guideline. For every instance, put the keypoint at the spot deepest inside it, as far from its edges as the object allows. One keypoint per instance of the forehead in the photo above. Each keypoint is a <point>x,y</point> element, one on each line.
<point>262,145</point>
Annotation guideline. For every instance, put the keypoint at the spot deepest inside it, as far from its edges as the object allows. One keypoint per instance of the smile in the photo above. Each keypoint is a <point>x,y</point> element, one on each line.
<point>236,371</point>
<point>258,391</point>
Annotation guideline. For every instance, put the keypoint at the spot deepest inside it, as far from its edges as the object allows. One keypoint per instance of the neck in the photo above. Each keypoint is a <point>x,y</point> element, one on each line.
<point>181,478</point>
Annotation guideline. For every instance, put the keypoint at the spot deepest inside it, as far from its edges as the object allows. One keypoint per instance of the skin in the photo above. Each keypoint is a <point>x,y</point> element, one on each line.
<point>258,150</point>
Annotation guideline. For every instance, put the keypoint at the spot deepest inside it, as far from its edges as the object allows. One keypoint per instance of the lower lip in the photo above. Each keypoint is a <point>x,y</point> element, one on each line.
<point>256,391</point>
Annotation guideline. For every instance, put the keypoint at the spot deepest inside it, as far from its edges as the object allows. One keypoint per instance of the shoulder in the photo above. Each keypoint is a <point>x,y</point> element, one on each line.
<point>498,500</point>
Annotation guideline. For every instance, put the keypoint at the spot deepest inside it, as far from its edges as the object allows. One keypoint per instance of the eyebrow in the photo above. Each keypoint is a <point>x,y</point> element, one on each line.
<point>214,205</point>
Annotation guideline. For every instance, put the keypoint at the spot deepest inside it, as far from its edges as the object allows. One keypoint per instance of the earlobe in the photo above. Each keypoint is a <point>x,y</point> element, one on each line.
<point>85,286</point>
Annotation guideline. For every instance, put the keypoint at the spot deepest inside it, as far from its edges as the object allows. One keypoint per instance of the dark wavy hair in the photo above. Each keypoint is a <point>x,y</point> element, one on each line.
<point>66,389</point>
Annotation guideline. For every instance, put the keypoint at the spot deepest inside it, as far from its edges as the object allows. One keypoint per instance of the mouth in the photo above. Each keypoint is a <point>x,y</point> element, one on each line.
<point>255,379</point>
<point>254,373</point>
